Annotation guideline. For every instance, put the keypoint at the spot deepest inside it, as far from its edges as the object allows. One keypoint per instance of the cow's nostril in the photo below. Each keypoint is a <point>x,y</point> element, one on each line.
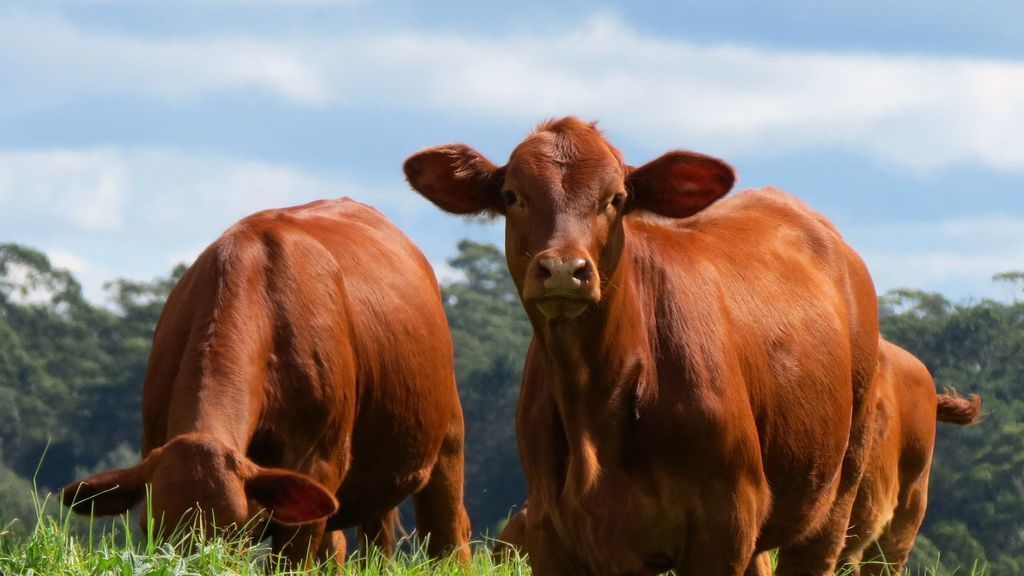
<point>582,273</point>
<point>543,271</point>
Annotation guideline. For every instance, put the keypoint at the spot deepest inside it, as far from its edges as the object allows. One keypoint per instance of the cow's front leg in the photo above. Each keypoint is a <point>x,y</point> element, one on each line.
<point>761,565</point>
<point>548,556</point>
<point>723,537</point>
<point>333,546</point>
<point>379,533</point>
<point>298,545</point>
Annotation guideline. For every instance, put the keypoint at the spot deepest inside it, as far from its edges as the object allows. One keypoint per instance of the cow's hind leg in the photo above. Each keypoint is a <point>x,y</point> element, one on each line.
<point>893,546</point>
<point>818,555</point>
<point>440,514</point>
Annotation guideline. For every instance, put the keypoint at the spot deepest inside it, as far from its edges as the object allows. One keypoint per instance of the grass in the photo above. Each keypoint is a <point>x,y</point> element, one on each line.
<point>59,543</point>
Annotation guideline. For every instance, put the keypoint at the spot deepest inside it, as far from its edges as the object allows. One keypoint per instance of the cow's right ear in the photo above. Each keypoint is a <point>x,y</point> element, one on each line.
<point>107,493</point>
<point>290,497</point>
<point>456,178</point>
<point>680,183</point>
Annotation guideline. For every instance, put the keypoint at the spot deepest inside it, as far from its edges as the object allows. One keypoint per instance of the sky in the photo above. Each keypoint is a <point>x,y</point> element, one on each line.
<point>133,132</point>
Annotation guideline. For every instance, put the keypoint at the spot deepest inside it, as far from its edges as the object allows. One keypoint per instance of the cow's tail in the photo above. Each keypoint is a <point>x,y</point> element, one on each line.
<point>955,409</point>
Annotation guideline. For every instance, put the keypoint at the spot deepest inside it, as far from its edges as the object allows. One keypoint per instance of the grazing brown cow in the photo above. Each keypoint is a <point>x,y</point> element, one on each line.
<point>302,366</point>
<point>893,494</point>
<point>695,389</point>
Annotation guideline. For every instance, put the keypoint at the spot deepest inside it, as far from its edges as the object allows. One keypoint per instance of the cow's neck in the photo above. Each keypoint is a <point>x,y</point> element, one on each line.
<point>599,366</point>
<point>213,396</point>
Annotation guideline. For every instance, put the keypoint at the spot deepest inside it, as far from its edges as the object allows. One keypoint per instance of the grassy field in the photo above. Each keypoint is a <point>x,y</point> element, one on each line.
<point>59,543</point>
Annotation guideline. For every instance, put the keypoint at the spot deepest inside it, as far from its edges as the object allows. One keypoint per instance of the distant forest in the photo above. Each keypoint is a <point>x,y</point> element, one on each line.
<point>71,377</point>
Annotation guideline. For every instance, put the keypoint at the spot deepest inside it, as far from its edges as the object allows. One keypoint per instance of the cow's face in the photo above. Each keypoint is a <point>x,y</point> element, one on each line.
<point>563,197</point>
<point>564,193</point>
<point>195,478</point>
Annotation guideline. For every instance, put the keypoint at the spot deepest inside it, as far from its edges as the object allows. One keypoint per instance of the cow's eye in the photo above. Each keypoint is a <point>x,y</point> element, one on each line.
<point>509,197</point>
<point>615,202</point>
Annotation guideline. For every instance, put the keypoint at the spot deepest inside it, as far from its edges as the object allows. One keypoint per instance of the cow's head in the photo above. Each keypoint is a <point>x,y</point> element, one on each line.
<point>197,474</point>
<point>564,193</point>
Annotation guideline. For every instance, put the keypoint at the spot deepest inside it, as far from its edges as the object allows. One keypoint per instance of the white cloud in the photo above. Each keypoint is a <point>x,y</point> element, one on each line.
<point>90,276</point>
<point>87,190</point>
<point>29,288</point>
<point>66,260</point>
<point>445,272</point>
<point>931,268</point>
<point>249,3</point>
<point>948,256</point>
<point>917,111</point>
<point>102,213</point>
<point>55,61</point>
<point>295,3</point>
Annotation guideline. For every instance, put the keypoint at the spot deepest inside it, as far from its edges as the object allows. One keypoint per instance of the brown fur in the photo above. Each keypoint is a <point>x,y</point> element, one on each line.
<point>302,365</point>
<point>697,387</point>
<point>893,494</point>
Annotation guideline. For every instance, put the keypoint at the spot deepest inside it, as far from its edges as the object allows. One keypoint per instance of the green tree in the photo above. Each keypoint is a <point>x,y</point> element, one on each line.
<point>1014,278</point>
<point>50,358</point>
<point>70,373</point>
<point>16,507</point>
<point>490,332</point>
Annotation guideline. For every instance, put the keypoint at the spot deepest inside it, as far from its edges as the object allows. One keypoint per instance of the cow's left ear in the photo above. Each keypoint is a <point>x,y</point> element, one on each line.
<point>108,493</point>
<point>680,183</point>
<point>290,497</point>
<point>456,178</point>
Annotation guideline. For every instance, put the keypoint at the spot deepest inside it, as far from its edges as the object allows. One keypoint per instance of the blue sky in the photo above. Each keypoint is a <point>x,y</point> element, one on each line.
<point>133,132</point>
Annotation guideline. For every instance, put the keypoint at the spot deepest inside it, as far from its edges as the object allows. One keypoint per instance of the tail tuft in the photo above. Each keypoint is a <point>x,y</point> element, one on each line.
<point>954,409</point>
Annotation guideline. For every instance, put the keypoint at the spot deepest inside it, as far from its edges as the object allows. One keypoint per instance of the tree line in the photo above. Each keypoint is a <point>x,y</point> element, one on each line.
<point>71,377</point>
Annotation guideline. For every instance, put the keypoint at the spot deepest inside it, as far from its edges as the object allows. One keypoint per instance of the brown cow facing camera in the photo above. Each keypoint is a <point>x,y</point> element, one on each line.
<point>697,387</point>
<point>301,369</point>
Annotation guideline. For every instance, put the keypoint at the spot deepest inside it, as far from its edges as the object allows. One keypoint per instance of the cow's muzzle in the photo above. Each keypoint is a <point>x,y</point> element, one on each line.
<point>562,285</point>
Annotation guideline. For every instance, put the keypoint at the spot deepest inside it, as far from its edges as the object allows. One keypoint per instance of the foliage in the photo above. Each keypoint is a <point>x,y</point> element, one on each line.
<point>490,332</point>
<point>15,504</point>
<point>70,373</point>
